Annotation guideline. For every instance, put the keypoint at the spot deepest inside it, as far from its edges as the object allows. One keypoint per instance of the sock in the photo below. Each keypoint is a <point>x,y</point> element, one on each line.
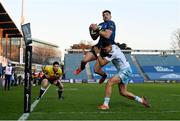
<point>60,93</point>
<point>138,99</point>
<point>106,101</point>
<point>83,64</point>
<point>41,91</point>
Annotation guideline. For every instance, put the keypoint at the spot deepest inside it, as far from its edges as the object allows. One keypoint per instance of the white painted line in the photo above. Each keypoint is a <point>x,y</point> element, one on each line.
<point>110,112</point>
<point>25,116</point>
<point>175,95</point>
<point>71,89</point>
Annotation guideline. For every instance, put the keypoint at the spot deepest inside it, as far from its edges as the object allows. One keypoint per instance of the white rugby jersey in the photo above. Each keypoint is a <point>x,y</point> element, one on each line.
<point>8,70</point>
<point>118,58</point>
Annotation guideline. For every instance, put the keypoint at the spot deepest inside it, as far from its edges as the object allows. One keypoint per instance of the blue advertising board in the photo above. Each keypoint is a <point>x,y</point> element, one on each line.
<point>111,71</point>
<point>161,69</point>
<point>162,72</point>
<point>164,76</point>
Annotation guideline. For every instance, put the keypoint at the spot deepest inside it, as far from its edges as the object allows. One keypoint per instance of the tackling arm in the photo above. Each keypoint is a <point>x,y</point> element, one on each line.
<point>102,61</point>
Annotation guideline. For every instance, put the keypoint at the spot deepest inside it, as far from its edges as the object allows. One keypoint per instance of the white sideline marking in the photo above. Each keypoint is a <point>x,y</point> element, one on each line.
<point>72,89</point>
<point>110,112</point>
<point>175,95</point>
<point>24,116</point>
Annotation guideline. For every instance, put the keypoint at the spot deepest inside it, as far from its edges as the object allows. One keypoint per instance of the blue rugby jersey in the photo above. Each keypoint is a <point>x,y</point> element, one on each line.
<point>107,25</point>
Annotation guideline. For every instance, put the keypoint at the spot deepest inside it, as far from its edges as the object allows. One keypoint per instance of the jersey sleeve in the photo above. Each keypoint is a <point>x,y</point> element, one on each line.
<point>60,72</point>
<point>45,69</point>
<point>110,58</point>
<point>111,25</point>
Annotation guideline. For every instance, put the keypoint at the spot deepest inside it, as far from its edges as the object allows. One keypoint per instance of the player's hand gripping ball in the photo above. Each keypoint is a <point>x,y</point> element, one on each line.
<point>92,27</point>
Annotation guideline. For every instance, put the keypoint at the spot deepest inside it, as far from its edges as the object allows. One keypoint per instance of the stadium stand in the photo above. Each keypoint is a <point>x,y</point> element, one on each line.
<point>147,65</point>
<point>72,61</point>
<point>150,60</point>
<point>158,67</point>
<point>137,76</point>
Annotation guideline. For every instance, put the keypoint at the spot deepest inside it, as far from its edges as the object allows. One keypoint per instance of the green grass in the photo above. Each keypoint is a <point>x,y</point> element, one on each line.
<point>11,102</point>
<point>81,101</point>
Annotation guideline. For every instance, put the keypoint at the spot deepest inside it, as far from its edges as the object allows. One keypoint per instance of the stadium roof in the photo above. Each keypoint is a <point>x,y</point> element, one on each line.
<point>7,24</point>
<point>45,43</point>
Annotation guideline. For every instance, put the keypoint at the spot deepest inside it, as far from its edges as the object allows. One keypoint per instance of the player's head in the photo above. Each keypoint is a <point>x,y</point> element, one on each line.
<point>55,65</point>
<point>106,15</point>
<point>106,46</point>
<point>9,64</point>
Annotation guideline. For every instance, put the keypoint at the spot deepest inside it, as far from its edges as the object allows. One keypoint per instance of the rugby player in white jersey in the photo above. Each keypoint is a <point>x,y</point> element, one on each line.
<point>123,76</point>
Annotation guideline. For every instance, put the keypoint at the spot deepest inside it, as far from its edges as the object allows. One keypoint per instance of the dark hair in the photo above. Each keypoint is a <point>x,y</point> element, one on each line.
<point>55,63</point>
<point>122,46</point>
<point>106,11</point>
<point>106,43</point>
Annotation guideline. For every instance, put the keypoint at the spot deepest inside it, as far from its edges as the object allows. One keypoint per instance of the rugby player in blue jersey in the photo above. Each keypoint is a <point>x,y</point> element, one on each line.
<point>106,32</point>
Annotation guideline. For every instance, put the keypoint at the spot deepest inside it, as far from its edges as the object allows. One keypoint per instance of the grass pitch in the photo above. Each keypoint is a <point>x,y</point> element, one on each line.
<point>81,101</point>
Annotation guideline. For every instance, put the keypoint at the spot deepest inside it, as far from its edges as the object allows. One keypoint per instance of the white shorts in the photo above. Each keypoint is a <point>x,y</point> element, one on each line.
<point>125,75</point>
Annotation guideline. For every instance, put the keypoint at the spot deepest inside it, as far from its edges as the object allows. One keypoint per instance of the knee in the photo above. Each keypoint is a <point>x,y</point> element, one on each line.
<point>96,70</point>
<point>110,83</point>
<point>59,84</point>
<point>55,83</point>
<point>61,87</point>
<point>44,83</point>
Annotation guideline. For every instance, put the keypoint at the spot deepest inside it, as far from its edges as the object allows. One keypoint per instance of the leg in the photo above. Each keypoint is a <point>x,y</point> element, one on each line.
<point>110,83</point>
<point>98,70</point>
<point>108,92</point>
<point>123,91</point>
<point>34,81</point>
<point>124,77</point>
<point>44,85</point>
<point>9,82</point>
<point>88,57</point>
<point>6,81</point>
<point>59,84</point>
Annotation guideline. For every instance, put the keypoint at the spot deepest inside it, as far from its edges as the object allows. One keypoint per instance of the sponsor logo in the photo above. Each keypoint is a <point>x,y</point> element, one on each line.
<point>163,69</point>
<point>111,68</point>
<point>136,75</point>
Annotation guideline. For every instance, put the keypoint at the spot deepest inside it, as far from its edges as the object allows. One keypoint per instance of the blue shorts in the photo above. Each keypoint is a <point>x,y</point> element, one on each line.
<point>125,75</point>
